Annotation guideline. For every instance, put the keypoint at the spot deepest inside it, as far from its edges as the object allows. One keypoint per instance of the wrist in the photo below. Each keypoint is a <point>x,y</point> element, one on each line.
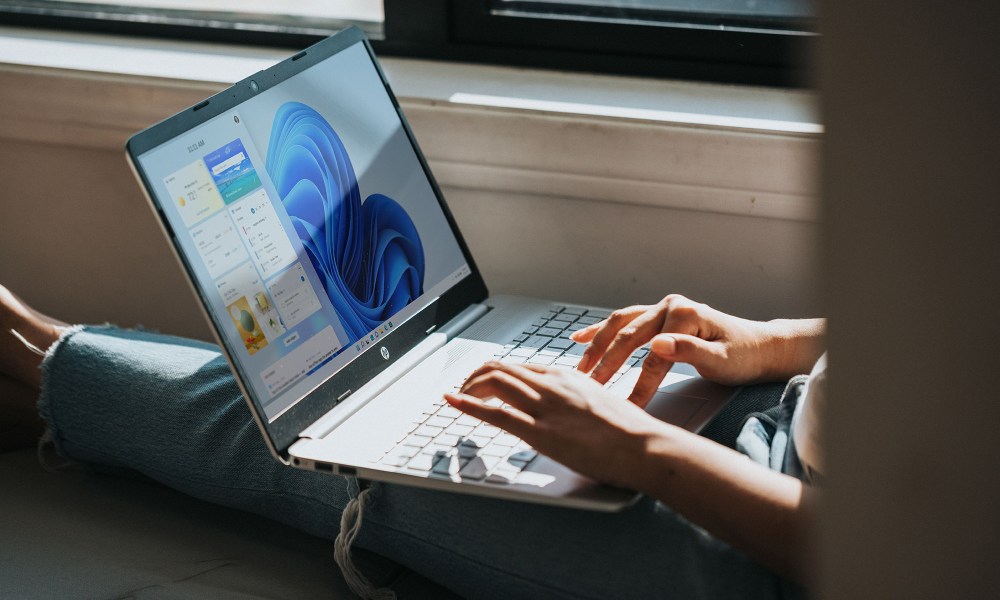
<point>657,446</point>
<point>794,345</point>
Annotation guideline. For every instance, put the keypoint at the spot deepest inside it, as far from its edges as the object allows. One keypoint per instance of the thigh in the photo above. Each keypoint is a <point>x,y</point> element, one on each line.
<point>170,409</point>
<point>486,548</point>
<point>725,427</point>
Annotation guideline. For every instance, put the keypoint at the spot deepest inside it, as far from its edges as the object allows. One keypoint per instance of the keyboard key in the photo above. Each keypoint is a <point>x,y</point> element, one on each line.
<point>487,430</point>
<point>489,460</point>
<point>444,466</point>
<point>562,318</point>
<point>418,441</point>
<point>549,331</point>
<point>541,359</point>
<point>421,462</point>
<point>559,344</point>
<point>576,349</point>
<point>515,360</point>
<point>535,341</point>
<point>447,439</point>
<point>438,421</point>
<point>405,451</point>
<point>468,449</point>
<point>567,361</point>
<point>428,430</point>
<point>600,315</point>
<point>506,439</point>
<point>569,310</point>
<point>461,430</point>
<point>522,457</point>
<point>481,441</point>
<point>470,420</point>
<point>475,470</point>
<point>589,320</point>
<point>435,449</point>
<point>395,461</point>
<point>521,338</point>
<point>450,412</point>
<point>500,479</point>
<point>495,451</point>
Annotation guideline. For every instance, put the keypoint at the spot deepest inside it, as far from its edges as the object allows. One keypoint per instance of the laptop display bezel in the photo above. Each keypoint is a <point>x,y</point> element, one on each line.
<point>283,431</point>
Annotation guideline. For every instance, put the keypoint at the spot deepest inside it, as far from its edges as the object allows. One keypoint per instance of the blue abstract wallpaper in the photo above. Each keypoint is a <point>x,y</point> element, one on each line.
<point>368,253</point>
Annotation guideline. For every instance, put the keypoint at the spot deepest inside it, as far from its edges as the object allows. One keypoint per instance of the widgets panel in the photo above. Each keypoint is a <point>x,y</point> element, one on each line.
<point>193,190</point>
<point>293,295</point>
<point>258,224</point>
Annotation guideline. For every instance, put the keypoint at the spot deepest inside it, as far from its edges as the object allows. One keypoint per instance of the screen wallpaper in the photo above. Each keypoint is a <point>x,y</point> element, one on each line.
<point>308,222</point>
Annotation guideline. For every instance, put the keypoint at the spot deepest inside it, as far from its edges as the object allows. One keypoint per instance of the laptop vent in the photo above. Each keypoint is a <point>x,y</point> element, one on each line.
<point>488,325</point>
<point>457,350</point>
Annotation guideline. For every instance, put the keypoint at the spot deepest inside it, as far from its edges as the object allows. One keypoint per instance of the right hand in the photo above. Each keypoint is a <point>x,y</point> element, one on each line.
<point>723,348</point>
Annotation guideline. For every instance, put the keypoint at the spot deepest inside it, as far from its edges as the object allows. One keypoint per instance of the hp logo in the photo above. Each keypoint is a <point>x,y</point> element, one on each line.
<point>385,353</point>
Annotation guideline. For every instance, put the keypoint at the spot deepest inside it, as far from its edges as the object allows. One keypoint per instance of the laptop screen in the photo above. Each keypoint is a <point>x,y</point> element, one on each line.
<point>308,223</point>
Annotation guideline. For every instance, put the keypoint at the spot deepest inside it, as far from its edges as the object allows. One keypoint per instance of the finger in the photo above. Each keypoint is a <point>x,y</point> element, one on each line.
<point>703,355</point>
<point>654,369</point>
<point>516,423</point>
<point>583,336</point>
<point>506,387</point>
<point>533,375</point>
<point>625,342</point>
<point>606,333</point>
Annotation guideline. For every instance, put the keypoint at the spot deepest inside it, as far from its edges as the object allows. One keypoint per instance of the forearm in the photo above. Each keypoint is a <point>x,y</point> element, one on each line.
<point>794,346</point>
<point>760,512</point>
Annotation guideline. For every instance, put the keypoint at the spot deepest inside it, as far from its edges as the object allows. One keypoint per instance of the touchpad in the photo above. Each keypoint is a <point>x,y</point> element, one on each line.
<point>676,409</point>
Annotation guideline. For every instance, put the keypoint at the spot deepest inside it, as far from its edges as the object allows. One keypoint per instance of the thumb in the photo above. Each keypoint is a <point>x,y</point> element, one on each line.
<point>677,347</point>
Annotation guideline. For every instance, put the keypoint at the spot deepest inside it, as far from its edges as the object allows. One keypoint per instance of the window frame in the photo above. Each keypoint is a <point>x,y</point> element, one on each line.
<point>465,30</point>
<point>470,31</point>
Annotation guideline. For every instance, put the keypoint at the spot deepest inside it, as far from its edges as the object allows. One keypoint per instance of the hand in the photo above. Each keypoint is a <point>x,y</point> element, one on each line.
<point>723,348</point>
<point>564,415</point>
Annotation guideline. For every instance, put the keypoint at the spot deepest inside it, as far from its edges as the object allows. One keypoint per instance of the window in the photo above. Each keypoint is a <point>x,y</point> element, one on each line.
<point>763,42</point>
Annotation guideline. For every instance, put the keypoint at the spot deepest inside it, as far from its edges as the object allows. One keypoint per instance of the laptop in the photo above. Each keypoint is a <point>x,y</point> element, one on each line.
<point>340,289</point>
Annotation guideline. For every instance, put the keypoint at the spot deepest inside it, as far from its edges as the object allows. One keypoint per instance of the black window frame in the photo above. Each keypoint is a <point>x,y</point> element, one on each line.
<point>749,52</point>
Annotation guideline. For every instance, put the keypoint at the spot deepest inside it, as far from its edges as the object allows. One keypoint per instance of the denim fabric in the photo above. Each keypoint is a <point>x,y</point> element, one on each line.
<point>767,437</point>
<point>169,408</point>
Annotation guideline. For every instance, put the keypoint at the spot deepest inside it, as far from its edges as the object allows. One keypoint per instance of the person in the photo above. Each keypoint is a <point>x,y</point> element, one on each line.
<point>711,524</point>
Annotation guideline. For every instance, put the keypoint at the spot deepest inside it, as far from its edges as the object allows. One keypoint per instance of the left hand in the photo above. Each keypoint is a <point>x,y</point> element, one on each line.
<point>565,415</point>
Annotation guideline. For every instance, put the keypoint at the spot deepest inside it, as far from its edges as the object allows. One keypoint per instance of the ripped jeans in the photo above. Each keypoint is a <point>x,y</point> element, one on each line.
<point>169,408</point>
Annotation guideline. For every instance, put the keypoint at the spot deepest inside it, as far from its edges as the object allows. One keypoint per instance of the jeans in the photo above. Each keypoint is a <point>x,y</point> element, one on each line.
<point>169,408</point>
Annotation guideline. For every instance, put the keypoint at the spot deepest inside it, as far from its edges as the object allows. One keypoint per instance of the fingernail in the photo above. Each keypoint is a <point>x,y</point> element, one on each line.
<point>664,345</point>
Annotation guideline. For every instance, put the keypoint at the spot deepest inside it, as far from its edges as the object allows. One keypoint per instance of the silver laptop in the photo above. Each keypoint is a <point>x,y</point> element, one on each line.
<point>342,293</point>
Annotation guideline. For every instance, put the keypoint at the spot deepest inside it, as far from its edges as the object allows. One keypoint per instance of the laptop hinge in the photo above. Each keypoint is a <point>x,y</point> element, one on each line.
<point>378,384</point>
<point>463,320</point>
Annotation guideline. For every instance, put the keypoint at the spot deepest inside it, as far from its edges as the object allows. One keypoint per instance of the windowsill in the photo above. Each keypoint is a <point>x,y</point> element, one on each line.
<point>679,103</point>
<point>520,132</point>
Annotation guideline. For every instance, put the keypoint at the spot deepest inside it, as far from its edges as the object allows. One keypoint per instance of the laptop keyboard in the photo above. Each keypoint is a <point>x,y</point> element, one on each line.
<point>446,443</point>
